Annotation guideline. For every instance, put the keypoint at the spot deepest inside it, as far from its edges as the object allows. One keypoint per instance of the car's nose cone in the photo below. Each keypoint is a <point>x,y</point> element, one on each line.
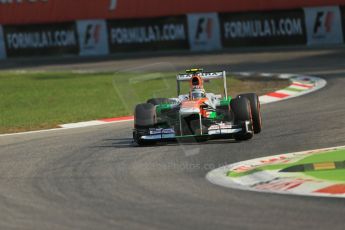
<point>190,107</point>
<point>189,111</point>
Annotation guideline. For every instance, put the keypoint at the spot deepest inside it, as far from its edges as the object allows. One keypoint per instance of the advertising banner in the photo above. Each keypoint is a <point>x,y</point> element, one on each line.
<point>52,11</point>
<point>204,32</point>
<point>323,25</point>
<point>93,37</point>
<point>38,40</point>
<point>2,44</point>
<point>269,28</point>
<point>169,33</point>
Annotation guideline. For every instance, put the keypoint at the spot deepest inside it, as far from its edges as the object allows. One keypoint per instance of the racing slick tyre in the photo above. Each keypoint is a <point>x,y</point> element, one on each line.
<point>144,118</point>
<point>256,112</point>
<point>158,101</point>
<point>145,115</point>
<point>242,111</point>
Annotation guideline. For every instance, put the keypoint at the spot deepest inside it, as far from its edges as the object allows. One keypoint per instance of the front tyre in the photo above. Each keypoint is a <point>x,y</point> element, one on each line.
<point>144,118</point>
<point>145,115</point>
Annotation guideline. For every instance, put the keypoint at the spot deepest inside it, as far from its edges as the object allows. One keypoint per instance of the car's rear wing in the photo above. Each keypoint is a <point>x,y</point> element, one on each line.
<point>205,76</point>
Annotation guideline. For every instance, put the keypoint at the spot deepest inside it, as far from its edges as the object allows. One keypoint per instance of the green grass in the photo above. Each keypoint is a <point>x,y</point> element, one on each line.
<point>329,156</point>
<point>332,175</point>
<point>36,100</point>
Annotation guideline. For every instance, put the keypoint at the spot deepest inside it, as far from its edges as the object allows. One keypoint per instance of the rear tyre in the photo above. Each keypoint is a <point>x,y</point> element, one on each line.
<point>242,111</point>
<point>144,118</point>
<point>256,110</point>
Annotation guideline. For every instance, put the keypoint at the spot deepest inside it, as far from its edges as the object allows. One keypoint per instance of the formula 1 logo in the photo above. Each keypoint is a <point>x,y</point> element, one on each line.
<point>324,22</point>
<point>92,35</point>
<point>204,30</point>
<point>323,25</point>
<point>113,5</point>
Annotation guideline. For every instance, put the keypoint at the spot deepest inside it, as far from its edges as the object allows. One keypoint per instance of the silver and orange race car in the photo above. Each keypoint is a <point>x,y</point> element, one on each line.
<point>197,115</point>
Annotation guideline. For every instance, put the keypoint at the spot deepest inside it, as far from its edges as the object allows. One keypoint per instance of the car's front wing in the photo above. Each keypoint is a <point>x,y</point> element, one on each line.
<point>221,130</point>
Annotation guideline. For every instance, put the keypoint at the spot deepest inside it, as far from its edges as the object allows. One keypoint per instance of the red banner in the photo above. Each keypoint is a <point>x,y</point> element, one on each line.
<point>41,11</point>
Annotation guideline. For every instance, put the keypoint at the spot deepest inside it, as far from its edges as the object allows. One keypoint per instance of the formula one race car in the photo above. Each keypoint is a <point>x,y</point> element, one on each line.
<point>197,115</point>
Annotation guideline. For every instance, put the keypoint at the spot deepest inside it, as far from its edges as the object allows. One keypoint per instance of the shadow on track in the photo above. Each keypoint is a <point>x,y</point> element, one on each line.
<point>128,143</point>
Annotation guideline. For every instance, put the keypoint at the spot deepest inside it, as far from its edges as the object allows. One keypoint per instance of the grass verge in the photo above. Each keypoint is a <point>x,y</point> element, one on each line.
<point>325,157</point>
<point>40,100</point>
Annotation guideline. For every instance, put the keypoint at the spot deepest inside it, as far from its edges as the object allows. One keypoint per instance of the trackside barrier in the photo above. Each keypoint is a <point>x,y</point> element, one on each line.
<point>269,28</point>
<point>149,34</point>
<point>17,12</point>
<point>2,44</point>
<point>195,31</point>
<point>41,39</point>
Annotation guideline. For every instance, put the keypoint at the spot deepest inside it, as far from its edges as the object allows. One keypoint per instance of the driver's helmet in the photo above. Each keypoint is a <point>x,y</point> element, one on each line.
<point>198,93</point>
